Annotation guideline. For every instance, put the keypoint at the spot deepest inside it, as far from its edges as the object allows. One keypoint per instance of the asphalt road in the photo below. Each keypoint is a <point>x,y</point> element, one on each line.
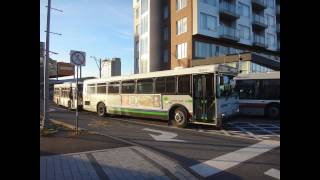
<point>210,156</point>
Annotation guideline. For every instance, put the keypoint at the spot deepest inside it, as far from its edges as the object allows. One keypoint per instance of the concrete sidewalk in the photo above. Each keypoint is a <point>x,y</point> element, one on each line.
<point>93,156</point>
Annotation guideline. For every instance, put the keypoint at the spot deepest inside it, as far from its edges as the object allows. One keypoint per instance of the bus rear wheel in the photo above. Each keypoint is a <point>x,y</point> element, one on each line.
<point>180,117</point>
<point>101,110</point>
<point>273,111</point>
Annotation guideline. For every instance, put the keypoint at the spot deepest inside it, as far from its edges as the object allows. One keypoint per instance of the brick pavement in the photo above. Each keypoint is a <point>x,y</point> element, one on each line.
<point>117,163</point>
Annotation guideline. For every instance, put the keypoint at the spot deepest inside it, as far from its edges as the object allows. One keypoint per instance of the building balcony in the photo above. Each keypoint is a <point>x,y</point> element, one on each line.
<point>259,41</point>
<point>278,45</point>
<point>278,9</point>
<point>259,21</point>
<point>228,10</point>
<point>278,28</point>
<point>261,4</point>
<point>229,33</point>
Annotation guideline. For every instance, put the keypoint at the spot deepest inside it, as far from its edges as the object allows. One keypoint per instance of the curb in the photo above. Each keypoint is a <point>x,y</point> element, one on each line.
<point>66,125</point>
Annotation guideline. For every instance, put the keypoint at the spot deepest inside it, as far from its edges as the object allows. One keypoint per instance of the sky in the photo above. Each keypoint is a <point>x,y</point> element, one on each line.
<point>101,28</point>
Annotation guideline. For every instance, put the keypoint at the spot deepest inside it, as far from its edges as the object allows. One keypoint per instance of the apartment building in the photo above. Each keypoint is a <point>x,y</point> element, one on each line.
<point>194,32</point>
<point>111,67</point>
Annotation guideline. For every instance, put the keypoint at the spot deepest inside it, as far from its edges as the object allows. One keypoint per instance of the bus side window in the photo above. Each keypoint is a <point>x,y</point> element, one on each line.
<point>145,86</point>
<point>171,85</point>
<point>184,84</point>
<point>271,89</point>
<point>113,88</point>
<point>101,88</point>
<point>160,85</point>
<point>128,87</point>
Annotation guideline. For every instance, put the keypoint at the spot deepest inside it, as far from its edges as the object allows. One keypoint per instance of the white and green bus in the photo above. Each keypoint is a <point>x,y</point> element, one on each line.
<point>201,95</point>
<point>65,94</point>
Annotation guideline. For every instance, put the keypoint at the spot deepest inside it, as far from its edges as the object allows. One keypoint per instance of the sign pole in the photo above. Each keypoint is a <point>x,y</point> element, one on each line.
<point>77,58</point>
<point>77,101</point>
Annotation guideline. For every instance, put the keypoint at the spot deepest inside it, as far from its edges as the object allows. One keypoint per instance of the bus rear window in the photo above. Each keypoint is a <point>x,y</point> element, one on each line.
<point>91,89</point>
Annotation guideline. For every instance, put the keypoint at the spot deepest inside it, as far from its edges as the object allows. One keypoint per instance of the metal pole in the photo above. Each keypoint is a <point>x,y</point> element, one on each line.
<point>80,72</point>
<point>77,101</point>
<point>100,67</point>
<point>46,68</point>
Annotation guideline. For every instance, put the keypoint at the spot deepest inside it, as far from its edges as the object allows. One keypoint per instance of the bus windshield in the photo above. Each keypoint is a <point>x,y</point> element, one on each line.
<point>226,86</point>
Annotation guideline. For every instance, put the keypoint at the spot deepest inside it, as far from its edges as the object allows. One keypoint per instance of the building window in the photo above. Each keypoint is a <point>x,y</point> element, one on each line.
<point>182,26</point>
<point>208,22</point>
<point>165,56</point>
<point>165,12</point>
<point>143,66</point>
<point>244,32</point>
<point>166,33</point>
<point>271,40</point>
<point>144,6</point>
<point>144,46</point>
<point>244,10</point>
<point>210,2</point>
<point>202,49</point>
<point>271,21</point>
<point>181,51</point>
<point>180,4</point>
<point>144,24</point>
<point>271,3</point>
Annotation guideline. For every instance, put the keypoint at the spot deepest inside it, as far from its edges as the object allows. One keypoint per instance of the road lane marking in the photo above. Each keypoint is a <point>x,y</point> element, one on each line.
<point>273,173</point>
<point>266,130</point>
<point>51,109</point>
<point>232,159</point>
<point>164,135</point>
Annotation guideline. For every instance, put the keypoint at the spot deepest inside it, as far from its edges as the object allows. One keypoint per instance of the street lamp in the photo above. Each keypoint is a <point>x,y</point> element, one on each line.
<point>99,65</point>
<point>46,78</point>
<point>46,68</point>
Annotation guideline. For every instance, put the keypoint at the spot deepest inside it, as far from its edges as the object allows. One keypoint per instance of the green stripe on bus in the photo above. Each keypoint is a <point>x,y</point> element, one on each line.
<point>189,101</point>
<point>156,113</point>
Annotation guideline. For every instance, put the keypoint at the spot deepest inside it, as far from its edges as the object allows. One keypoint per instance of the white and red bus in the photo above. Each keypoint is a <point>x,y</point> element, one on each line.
<point>259,93</point>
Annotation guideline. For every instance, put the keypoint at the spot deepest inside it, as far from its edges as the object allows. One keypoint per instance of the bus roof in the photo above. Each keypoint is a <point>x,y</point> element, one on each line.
<point>67,84</point>
<point>267,75</point>
<point>193,70</point>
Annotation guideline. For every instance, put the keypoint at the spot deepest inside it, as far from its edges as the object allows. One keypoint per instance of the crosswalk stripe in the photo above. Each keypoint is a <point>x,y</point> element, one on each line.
<point>229,160</point>
<point>273,173</point>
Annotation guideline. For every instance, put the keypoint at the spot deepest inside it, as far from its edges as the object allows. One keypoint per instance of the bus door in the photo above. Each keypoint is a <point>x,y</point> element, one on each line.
<point>203,98</point>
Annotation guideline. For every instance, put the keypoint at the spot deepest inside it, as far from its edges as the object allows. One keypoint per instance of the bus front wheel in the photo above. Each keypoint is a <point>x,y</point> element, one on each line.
<point>273,111</point>
<point>180,117</point>
<point>101,109</point>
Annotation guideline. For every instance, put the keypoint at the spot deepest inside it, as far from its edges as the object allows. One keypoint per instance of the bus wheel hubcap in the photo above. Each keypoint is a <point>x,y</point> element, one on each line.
<point>179,117</point>
<point>101,110</point>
